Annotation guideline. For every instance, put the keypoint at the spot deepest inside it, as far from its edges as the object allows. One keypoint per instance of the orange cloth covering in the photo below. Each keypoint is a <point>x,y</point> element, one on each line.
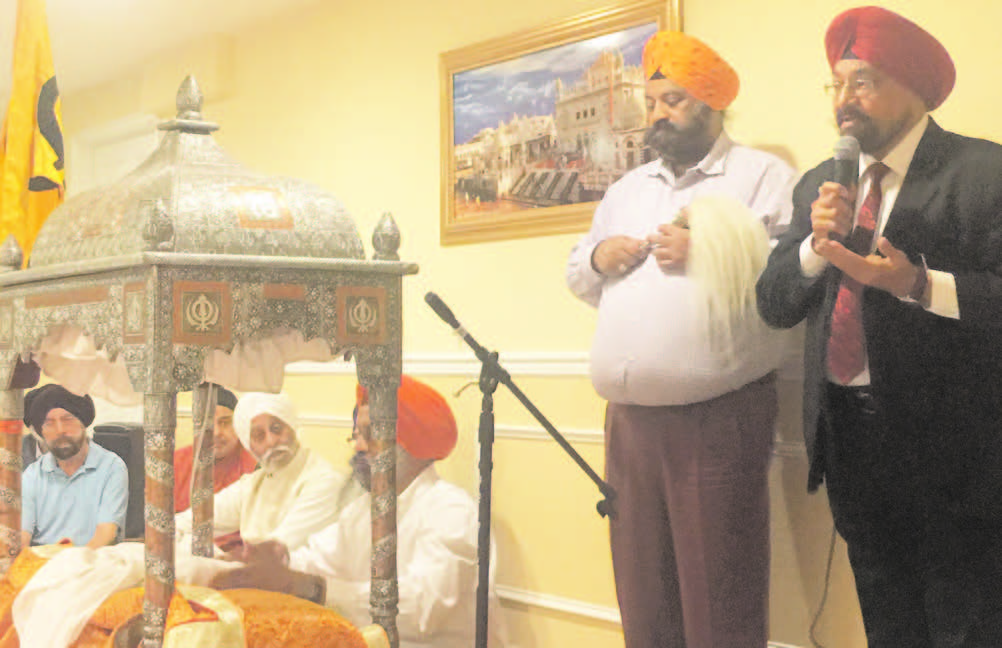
<point>119,607</point>
<point>224,473</point>
<point>122,606</point>
<point>690,63</point>
<point>270,619</point>
<point>20,572</point>
<point>426,428</point>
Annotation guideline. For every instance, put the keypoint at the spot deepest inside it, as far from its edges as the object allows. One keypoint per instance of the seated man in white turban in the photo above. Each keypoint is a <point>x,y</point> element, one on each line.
<point>292,495</point>
<point>436,538</point>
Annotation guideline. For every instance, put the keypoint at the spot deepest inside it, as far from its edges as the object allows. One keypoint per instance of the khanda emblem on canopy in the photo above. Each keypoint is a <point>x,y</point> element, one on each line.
<point>49,169</point>
<point>363,316</point>
<point>202,313</point>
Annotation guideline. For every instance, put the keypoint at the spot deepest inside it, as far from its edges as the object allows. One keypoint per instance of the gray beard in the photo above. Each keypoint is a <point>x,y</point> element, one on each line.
<point>361,469</point>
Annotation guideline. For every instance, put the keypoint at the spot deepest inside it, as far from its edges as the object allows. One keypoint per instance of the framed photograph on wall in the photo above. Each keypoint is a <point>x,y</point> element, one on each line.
<point>536,125</point>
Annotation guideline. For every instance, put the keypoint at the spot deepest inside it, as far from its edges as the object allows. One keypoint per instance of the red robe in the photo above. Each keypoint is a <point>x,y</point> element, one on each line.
<point>224,473</point>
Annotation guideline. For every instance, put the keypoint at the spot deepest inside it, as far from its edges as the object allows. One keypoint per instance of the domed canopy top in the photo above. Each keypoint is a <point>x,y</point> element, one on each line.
<point>190,196</point>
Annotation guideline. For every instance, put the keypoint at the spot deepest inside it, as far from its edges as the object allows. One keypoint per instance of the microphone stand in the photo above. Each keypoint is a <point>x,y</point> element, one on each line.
<point>489,378</point>
<point>492,373</point>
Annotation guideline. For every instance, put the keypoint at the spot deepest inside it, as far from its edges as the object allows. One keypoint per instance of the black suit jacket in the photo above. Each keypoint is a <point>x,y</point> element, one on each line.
<point>938,380</point>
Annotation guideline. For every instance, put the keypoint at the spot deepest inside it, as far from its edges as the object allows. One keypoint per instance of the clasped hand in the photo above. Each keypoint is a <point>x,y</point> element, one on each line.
<point>887,269</point>
<point>618,255</point>
<point>670,246</point>
<point>266,567</point>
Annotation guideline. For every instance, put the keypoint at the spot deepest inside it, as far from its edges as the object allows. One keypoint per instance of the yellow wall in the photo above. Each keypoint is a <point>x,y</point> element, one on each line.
<point>346,95</point>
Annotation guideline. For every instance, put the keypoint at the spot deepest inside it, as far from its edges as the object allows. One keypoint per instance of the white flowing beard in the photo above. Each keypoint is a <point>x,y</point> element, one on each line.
<point>278,456</point>
<point>728,248</point>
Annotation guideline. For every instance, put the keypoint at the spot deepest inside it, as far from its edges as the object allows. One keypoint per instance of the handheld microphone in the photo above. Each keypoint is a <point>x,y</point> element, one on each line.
<point>847,162</point>
<point>846,169</point>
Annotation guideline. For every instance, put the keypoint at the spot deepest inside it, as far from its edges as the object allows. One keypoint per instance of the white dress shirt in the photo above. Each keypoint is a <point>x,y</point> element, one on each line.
<point>436,565</point>
<point>651,346</point>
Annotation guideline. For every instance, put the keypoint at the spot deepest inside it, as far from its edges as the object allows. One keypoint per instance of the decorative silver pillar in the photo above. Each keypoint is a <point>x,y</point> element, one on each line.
<point>203,409</point>
<point>11,429</point>
<point>159,421</point>
<point>384,595</point>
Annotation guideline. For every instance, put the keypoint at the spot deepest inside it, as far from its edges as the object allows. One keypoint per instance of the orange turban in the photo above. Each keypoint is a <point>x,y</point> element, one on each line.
<point>690,63</point>
<point>426,428</point>
<point>895,45</point>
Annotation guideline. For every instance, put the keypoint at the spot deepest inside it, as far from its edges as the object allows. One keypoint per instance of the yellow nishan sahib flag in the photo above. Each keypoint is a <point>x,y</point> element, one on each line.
<point>32,177</point>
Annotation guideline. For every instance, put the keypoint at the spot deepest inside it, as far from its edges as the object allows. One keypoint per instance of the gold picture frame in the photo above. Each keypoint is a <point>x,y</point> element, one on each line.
<point>512,170</point>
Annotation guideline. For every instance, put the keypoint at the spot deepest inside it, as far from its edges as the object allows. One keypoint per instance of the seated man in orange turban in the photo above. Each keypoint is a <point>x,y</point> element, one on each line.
<point>436,531</point>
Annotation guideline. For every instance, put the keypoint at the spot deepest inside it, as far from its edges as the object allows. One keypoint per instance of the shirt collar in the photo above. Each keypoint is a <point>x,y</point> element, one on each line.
<point>48,462</point>
<point>899,158</point>
<point>714,163</point>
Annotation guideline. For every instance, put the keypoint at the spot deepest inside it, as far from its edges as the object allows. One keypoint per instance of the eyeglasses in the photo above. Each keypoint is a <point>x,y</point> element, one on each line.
<point>858,86</point>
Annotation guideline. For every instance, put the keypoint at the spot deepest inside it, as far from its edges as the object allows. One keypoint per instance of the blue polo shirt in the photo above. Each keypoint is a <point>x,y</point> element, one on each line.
<point>55,506</point>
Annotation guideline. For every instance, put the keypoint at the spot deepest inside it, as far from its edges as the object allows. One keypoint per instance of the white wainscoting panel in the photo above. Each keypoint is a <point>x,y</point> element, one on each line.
<point>559,604</point>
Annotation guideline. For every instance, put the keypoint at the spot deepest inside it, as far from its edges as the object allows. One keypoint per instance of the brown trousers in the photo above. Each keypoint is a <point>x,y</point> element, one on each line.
<point>690,540</point>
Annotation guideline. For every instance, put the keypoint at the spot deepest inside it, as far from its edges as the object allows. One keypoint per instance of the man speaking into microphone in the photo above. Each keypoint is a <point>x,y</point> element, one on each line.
<point>900,282</point>
<point>685,362</point>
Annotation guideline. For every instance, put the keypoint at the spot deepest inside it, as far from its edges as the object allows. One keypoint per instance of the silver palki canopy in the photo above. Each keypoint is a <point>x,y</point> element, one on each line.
<point>190,269</point>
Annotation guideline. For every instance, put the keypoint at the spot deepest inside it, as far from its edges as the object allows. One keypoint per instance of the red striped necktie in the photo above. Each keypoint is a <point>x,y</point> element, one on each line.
<point>846,345</point>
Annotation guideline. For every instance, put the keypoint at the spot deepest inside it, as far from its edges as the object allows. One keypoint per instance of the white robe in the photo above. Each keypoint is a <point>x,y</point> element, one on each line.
<point>436,565</point>
<point>286,505</point>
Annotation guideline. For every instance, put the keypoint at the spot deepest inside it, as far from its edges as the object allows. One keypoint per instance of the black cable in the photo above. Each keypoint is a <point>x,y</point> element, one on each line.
<point>824,593</point>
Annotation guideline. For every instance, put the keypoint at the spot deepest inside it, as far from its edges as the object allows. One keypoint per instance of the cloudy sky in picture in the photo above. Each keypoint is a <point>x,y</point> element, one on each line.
<point>484,96</point>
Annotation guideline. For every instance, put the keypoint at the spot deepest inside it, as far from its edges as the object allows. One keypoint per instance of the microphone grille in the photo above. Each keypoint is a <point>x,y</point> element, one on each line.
<point>846,148</point>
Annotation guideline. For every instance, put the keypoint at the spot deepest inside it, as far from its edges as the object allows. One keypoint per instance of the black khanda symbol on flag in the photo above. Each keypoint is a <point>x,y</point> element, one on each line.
<point>48,126</point>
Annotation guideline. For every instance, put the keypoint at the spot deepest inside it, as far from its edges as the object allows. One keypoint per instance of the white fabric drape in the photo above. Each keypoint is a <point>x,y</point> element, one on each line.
<point>69,356</point>
<point>75,581</point>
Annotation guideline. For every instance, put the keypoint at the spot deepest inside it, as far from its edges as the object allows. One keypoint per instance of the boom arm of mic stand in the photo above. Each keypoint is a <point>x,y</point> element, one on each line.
<point>606,507</point>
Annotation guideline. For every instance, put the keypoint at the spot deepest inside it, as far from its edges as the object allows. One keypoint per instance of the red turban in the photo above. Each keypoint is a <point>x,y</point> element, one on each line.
<point>690,63</point>
<point>426,428</point>
<point>895,45</point>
